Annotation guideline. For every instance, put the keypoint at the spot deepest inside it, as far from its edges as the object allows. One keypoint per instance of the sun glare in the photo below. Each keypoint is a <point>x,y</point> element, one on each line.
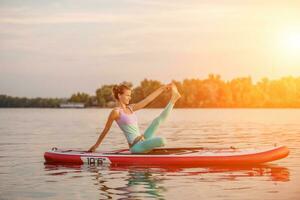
<point>287,41</point>
<point>290,42</point>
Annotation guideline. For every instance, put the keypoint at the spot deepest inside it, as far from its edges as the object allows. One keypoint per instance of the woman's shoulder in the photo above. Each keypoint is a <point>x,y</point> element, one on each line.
<point>130,106</point>
<point>115,113</point>
<point>116,109</point>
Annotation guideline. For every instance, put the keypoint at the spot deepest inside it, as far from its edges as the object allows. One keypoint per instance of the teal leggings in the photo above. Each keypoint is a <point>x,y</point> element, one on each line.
<point>150,141</point>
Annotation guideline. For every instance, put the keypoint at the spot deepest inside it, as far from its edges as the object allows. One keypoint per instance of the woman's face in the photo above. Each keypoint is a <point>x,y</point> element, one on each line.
<point>125,97</point>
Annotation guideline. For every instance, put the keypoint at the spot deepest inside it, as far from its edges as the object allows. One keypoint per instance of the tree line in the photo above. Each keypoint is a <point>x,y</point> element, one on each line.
<point>211,92</point>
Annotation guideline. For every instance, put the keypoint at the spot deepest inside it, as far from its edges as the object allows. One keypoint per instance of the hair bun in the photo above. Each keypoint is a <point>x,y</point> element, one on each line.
<point>115,88</point>
<point>119,89</point>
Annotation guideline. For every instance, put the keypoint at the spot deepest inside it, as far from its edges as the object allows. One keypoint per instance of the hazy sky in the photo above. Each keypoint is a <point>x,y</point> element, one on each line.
<point>51,48</point>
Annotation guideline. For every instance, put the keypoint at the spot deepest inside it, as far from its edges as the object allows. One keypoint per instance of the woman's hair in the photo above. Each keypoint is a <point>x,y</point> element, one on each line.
<point>119,89</point>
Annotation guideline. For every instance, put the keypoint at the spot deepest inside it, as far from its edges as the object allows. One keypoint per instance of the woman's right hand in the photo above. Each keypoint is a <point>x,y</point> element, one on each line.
<point>93,148</point>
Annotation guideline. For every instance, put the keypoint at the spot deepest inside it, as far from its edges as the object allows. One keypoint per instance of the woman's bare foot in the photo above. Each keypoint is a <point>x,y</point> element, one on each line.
<point>175,94</point>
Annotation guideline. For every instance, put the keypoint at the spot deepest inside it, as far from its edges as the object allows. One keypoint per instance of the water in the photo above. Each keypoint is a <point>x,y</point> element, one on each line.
<point>25,134</point>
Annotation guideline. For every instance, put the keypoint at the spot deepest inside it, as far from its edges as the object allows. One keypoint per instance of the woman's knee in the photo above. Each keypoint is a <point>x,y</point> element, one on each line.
<point>148,145</point>
<point>161,141</point>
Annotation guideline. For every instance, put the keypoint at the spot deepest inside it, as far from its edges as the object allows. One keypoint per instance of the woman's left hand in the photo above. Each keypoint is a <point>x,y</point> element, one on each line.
<point>167,87</point>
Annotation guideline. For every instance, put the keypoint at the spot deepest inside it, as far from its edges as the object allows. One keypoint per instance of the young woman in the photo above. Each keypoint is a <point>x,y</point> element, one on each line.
<point>126,119</point>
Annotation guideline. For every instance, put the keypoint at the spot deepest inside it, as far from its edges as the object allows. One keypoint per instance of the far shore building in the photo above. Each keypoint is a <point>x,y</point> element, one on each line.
<point>71,105</point>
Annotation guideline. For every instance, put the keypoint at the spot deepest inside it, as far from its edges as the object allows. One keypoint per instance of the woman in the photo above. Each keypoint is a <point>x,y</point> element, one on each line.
<point>125,117</point>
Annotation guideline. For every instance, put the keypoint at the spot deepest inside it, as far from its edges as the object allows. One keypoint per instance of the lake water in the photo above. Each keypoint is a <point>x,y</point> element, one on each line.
<point>25,134</point>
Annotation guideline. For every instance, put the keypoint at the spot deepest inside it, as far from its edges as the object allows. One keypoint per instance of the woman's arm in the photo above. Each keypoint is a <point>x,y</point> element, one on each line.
<point>141,104</point>
<point>113,115</point>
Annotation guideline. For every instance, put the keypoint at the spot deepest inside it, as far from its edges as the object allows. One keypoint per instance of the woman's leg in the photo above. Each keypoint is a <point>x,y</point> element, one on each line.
<point>147,145</point>
<point>151,142</point>
<point>149,132</point>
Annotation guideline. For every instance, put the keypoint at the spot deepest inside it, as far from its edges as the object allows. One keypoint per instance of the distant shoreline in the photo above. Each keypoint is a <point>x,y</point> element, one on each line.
<point>233,108</point>
<point>212,92</point>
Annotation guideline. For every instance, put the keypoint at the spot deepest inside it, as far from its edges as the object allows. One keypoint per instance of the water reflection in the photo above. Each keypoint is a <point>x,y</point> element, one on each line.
<point>142,182</point>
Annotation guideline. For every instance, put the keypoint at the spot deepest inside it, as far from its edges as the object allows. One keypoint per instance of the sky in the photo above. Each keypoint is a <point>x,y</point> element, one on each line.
<point>51,48</point>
